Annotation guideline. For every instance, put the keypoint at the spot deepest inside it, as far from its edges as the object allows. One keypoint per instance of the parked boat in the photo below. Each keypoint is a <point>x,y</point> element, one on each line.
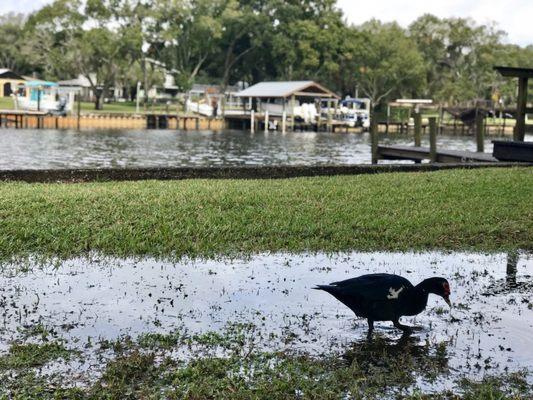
<point>356,112</point>
<point>43,96</point>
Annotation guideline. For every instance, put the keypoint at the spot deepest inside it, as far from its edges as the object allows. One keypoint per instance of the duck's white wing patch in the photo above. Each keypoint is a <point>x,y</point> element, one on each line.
<point>393,294</point>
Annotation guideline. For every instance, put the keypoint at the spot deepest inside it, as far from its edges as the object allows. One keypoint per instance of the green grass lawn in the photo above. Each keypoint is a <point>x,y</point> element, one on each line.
<point>6,103</point>
<point>128,107</point>
<point>487,209</point>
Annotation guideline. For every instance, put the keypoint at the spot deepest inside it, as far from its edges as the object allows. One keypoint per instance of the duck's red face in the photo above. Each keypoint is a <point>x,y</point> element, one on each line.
<point>446,292</point>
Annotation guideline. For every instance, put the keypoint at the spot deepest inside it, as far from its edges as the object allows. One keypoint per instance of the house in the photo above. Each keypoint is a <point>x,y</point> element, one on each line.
<point>79,85</point>
<point>9,82</point>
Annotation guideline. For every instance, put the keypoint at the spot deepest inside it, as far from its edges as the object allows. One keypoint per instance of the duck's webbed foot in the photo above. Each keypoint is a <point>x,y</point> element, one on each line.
<point>407,330</point>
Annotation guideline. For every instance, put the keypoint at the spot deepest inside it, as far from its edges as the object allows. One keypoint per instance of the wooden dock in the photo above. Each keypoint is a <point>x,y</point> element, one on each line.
<point>13,119</point>
<point>259,120</point>
<point>418,154</point>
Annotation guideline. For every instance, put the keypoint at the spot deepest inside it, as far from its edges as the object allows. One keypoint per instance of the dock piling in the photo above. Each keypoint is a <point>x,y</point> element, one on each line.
<point>480,133</point>
<point>252,121</point>
<point>374,140</point>
<point>418,129</point>
<point>433,139</point>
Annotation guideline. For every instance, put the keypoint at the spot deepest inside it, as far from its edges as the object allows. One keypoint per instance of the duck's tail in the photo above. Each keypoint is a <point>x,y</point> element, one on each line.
<point>326,288</point>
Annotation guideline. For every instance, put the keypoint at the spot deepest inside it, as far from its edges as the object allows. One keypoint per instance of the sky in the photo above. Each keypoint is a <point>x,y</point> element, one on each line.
<point>513,16</point>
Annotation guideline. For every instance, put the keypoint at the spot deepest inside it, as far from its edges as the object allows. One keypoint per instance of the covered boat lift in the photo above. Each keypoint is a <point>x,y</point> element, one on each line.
<point>288,99</point>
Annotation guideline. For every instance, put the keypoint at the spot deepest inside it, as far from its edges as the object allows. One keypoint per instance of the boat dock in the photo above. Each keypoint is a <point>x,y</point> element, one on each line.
<point>419,154</point>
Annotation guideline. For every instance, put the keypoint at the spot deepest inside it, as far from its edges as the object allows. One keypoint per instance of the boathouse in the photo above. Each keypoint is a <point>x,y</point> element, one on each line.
<point>290,97</point>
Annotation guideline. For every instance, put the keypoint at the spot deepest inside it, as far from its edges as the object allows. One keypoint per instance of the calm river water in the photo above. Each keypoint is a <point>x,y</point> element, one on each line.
<point>38,149</point>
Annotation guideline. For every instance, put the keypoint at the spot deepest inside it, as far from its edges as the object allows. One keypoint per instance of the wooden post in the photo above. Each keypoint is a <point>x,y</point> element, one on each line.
<point>79,111</point>
<point>433,139</point>
<point>418,129</point>
<point>374,139</point>
<point>293,104</point>
<point>266,121</point>
<point>441,120</point>
<point>284,122</point>
<point>252,121</point>
<point>330,119</point>
<point>480,132</point>
<point>388,119</point>
<point>520,127</point>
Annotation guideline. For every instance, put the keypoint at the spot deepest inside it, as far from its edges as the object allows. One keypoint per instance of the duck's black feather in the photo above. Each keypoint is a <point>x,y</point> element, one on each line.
<point>375,296</point>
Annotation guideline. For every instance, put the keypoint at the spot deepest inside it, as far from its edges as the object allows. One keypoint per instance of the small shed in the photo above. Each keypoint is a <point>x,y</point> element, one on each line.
<point>280,97</point>
<point>9,82</point>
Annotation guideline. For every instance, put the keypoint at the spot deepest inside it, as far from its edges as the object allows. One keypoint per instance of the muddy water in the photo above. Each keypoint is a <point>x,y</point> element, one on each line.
<point>489,330</point>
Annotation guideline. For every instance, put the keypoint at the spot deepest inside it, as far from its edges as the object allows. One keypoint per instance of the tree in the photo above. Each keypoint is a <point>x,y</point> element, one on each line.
<point>11,43</point>
<point>459,56</point>
<point>47,34</point>
<point>189,33</point>
<point>386,62</point>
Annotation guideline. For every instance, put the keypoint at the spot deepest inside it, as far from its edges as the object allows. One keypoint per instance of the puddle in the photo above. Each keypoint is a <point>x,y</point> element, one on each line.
<point>489,330</point>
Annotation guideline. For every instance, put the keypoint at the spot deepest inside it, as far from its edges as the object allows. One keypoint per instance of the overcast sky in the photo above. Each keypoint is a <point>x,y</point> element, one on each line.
<point>513,16</point>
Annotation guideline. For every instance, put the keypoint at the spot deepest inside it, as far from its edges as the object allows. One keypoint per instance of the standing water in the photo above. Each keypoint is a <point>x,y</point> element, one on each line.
<point>93,299</point>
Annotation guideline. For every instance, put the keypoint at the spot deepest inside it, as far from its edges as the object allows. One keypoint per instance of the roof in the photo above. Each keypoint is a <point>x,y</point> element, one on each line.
<point>515,72</point>
<point>7,73</point>
<point>70,82</point>
<point>286,89</point>
<point>38,83</point>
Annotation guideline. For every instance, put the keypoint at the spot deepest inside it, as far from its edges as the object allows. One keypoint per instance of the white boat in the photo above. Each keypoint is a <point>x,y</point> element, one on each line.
<point>200,107</point>
<point>356,112</point>
<point>43,96</point>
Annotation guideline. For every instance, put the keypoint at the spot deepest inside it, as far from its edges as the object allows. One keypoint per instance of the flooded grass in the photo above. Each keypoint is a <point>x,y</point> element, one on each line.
<point>486,209</point>
<point>101,327</point>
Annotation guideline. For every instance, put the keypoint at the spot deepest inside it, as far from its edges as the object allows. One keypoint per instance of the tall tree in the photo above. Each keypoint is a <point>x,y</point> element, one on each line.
<point>12,28</point>
<point>387,62</point>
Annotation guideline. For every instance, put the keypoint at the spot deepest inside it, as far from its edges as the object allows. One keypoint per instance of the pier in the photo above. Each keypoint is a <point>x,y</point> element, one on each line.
<point>417,153</point>
<point>19,119</point>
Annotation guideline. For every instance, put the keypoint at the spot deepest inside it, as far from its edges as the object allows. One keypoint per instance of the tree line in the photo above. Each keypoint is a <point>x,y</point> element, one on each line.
<point>123,42</point>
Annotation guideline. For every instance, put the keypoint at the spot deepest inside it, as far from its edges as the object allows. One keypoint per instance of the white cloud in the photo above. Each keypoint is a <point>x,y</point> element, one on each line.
<point>21,6</point>
<point>512,16</point>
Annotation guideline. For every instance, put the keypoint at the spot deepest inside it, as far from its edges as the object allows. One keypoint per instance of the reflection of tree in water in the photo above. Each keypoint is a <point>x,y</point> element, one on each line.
<point>402,360</point>
<point>512,262</point>
<point>511,283</point>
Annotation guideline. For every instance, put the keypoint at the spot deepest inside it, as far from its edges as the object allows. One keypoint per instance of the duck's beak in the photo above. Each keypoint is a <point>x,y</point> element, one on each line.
<point>447,300</point>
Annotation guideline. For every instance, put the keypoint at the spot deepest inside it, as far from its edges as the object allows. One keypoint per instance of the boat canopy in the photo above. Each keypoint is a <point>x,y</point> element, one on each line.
<point>44,84</point>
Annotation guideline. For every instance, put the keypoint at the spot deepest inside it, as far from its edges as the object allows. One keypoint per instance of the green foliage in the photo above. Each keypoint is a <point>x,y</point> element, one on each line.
<point>459,209</point>
<point>371,370</point>
<point>23,356</point>
<point>110,42</point>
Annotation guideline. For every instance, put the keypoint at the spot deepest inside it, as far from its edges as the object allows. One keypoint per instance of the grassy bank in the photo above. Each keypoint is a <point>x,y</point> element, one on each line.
<point>127,107</point>
<point>486,209</point>
<point>228,366</point>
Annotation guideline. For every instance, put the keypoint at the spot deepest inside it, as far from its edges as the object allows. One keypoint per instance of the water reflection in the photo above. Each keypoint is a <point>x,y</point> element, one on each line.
<point>38,149</point>
<point>512,261</point>
<point>407,360</point>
